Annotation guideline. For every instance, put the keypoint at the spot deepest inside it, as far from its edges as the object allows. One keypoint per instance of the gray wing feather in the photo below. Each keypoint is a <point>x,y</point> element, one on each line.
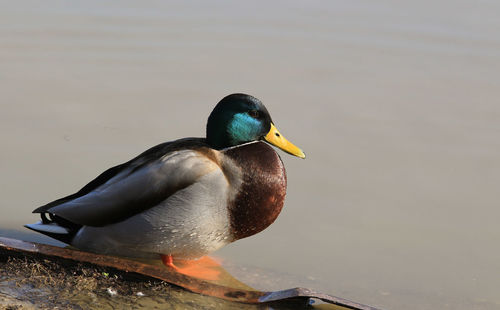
<point>134,190</point>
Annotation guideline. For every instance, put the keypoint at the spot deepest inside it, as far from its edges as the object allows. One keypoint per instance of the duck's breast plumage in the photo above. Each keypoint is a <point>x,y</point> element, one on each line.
<point>261,195</point>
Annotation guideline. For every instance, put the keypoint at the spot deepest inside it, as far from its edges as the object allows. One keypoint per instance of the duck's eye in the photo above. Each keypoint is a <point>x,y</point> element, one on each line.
<point>254,113</point>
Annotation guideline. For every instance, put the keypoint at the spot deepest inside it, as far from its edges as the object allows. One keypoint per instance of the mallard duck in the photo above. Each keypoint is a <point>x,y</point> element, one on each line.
<point>185,198</point>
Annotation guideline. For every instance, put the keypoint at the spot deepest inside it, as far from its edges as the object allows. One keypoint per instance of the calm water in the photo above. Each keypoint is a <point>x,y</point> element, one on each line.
<point>396,105</point>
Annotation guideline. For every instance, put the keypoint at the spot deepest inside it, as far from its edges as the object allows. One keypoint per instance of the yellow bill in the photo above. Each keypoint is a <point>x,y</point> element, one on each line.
<point>275,138</point>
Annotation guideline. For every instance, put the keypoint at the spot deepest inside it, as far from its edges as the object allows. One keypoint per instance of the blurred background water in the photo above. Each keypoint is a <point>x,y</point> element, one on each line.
<point>395,103</point>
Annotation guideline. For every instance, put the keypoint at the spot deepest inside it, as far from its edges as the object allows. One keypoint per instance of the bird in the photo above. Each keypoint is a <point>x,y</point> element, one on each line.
<point>185,198</point>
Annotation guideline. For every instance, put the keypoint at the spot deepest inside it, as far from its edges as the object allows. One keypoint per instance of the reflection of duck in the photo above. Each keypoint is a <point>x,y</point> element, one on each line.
<point>184,198</point>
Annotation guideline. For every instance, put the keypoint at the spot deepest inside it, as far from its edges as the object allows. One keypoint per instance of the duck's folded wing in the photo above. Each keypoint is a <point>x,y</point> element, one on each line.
<point>134,190</point>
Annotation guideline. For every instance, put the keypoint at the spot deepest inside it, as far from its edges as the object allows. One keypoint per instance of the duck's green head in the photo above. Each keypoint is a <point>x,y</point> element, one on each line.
<point>240,118</point>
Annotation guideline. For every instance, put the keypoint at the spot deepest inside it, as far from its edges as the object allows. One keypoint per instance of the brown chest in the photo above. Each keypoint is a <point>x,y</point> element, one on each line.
<point>261,195</point>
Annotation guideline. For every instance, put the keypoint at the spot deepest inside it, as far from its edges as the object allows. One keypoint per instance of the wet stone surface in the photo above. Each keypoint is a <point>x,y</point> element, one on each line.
<point>26,283</point>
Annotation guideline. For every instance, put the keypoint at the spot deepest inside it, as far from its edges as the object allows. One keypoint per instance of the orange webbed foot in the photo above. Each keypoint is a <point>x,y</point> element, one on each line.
<point>202,268</point>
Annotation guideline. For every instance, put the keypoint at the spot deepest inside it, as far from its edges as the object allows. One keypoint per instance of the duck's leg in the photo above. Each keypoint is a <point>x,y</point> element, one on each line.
<point>202,268</point>
<point>168,261</point>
